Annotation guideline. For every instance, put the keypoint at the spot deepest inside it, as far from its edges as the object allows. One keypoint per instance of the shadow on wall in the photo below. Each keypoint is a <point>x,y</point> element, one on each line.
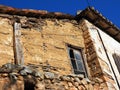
<point>29,86</point>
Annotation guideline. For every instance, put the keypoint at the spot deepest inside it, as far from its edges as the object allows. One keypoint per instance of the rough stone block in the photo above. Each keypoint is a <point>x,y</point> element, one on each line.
<point>49,75</point>
<point>70,84</point>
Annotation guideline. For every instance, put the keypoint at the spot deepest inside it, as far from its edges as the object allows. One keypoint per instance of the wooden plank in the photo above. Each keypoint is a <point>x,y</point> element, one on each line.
<point>18,52</point>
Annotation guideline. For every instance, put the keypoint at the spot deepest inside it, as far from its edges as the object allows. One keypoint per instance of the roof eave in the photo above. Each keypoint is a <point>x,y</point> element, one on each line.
<point>34,13</point>
<point>100,21</point>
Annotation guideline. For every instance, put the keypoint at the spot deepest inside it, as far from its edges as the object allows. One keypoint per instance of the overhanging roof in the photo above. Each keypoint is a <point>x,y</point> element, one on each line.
<point>89,13</point>
<point>33,13</point>
<point>100,21</point>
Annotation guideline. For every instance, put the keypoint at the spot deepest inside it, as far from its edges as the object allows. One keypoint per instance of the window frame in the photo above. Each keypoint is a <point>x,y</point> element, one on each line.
<point>77,71</point>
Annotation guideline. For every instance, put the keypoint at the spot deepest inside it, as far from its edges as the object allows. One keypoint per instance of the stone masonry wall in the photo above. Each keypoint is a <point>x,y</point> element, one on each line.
<point>90,51</point>
<point>45,40</point>
<point>42,40</point>
<point>96,54</point>
<point>14,77</point>
<point>44,44</point>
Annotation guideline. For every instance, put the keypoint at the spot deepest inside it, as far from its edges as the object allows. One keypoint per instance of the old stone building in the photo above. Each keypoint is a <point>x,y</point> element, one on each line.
<point>40,50</point>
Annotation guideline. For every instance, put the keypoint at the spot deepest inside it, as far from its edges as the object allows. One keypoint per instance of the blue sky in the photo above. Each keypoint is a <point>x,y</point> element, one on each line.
<point>109,8</point>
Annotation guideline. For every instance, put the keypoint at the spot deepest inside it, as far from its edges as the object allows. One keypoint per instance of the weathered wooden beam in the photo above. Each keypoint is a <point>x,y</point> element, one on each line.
<point>18,52</point>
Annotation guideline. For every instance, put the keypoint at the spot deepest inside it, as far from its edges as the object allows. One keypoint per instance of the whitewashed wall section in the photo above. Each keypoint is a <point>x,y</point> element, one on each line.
<point>111,46</point>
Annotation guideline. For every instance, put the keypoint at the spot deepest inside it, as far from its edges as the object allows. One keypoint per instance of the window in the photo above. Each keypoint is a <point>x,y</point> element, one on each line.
<point>117,61</point>
<point>77,60</point>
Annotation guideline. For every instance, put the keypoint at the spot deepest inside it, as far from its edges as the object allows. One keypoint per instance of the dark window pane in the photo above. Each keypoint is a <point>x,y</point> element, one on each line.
<point>74,64</point>
<point>77,55</point>
<point>76,60</point>
<point>80,65</point>
<point>71,53</point>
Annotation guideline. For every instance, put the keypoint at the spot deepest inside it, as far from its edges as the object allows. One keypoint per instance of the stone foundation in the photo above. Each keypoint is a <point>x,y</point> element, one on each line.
<point>14,77</point>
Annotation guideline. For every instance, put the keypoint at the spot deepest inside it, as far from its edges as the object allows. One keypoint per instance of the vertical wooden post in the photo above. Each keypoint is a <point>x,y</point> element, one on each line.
<point>18,52</point>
